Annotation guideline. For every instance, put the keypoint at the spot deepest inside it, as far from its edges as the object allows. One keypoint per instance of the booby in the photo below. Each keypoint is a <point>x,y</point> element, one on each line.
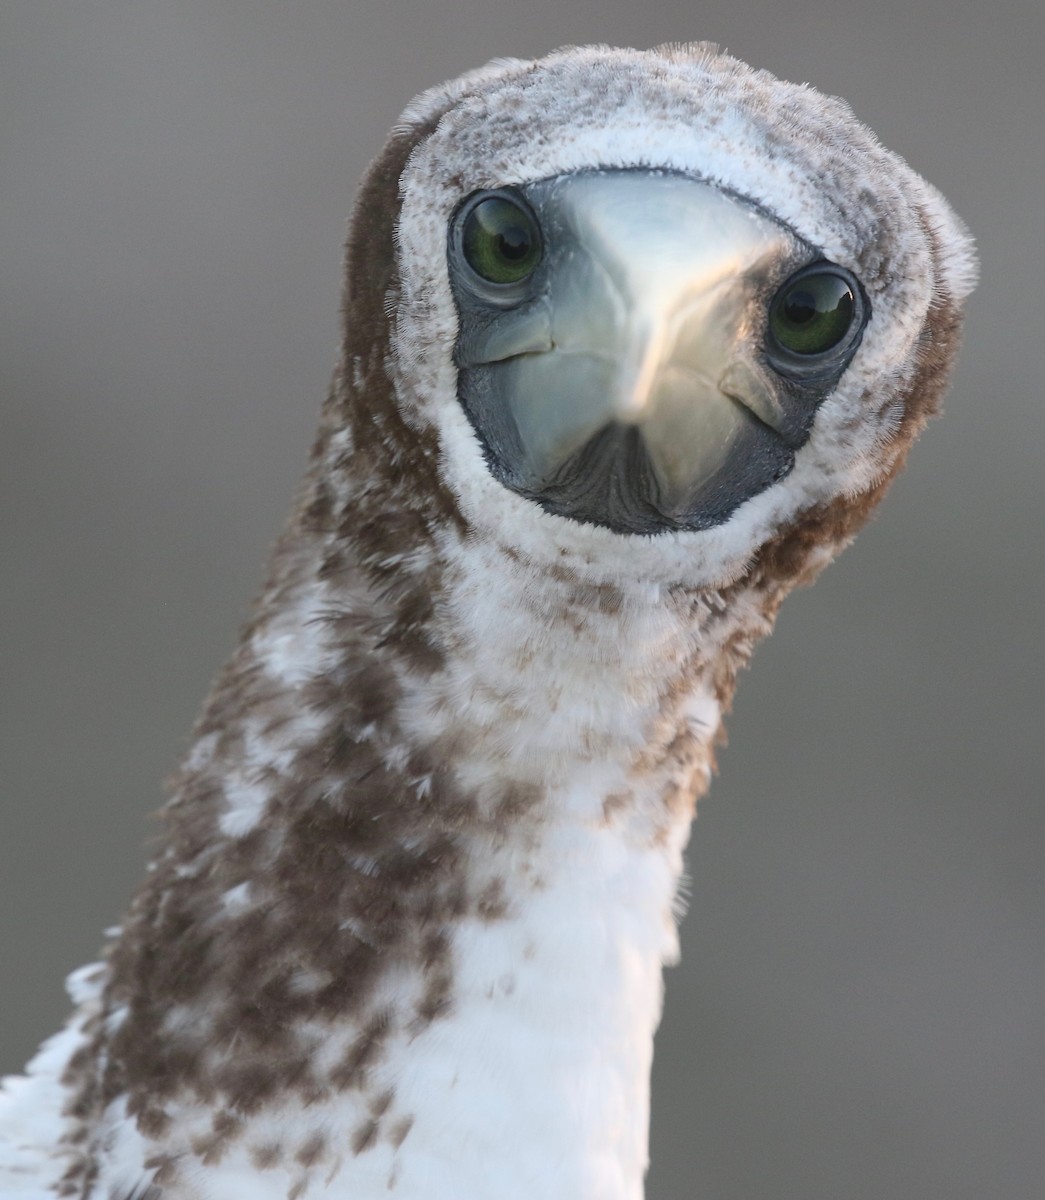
<point>634,344</point>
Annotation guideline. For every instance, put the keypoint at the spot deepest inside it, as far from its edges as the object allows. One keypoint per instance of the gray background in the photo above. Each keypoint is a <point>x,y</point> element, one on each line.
<point>860,1011</point>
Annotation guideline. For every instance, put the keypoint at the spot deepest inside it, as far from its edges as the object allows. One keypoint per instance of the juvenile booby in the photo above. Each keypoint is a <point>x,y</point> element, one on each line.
<point>634,343</point>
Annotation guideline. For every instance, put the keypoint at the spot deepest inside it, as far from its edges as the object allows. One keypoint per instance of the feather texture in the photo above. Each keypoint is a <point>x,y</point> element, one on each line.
<point>420,870</point>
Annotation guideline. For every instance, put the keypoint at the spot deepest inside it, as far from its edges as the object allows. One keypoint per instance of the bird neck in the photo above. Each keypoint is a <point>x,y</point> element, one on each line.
<point>582,718</point>
<point>419,885</point>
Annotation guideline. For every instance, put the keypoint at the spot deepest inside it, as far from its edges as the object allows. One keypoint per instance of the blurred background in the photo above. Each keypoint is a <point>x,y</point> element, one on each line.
<point>860,1012</point>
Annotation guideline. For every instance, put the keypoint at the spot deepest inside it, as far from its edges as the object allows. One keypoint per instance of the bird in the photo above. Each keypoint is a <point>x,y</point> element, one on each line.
<point>635,341</point>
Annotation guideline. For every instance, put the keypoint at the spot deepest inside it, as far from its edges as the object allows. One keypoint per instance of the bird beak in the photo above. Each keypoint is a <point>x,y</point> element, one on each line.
<point>642,333</point>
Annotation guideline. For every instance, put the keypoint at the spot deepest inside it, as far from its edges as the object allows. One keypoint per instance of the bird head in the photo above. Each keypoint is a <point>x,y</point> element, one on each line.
<point>648,315</point>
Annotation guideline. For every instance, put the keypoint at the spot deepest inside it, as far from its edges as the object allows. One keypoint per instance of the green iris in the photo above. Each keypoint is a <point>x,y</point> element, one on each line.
<point>812,313</point>
<point>500,240</point>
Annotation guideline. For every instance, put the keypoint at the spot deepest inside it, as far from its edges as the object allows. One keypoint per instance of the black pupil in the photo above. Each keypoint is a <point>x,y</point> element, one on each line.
<point>513,243</point>
<point>800,307</point>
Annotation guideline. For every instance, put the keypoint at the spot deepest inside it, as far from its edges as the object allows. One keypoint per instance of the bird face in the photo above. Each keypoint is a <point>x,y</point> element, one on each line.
<point>639,349</point>
<point>653,312</point>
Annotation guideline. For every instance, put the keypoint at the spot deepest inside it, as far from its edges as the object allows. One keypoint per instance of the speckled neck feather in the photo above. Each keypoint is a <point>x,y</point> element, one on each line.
<point>441,767</point>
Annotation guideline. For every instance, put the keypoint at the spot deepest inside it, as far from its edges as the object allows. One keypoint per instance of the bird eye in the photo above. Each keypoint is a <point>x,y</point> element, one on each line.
<point>814,311</point>
<point>500,240</point>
